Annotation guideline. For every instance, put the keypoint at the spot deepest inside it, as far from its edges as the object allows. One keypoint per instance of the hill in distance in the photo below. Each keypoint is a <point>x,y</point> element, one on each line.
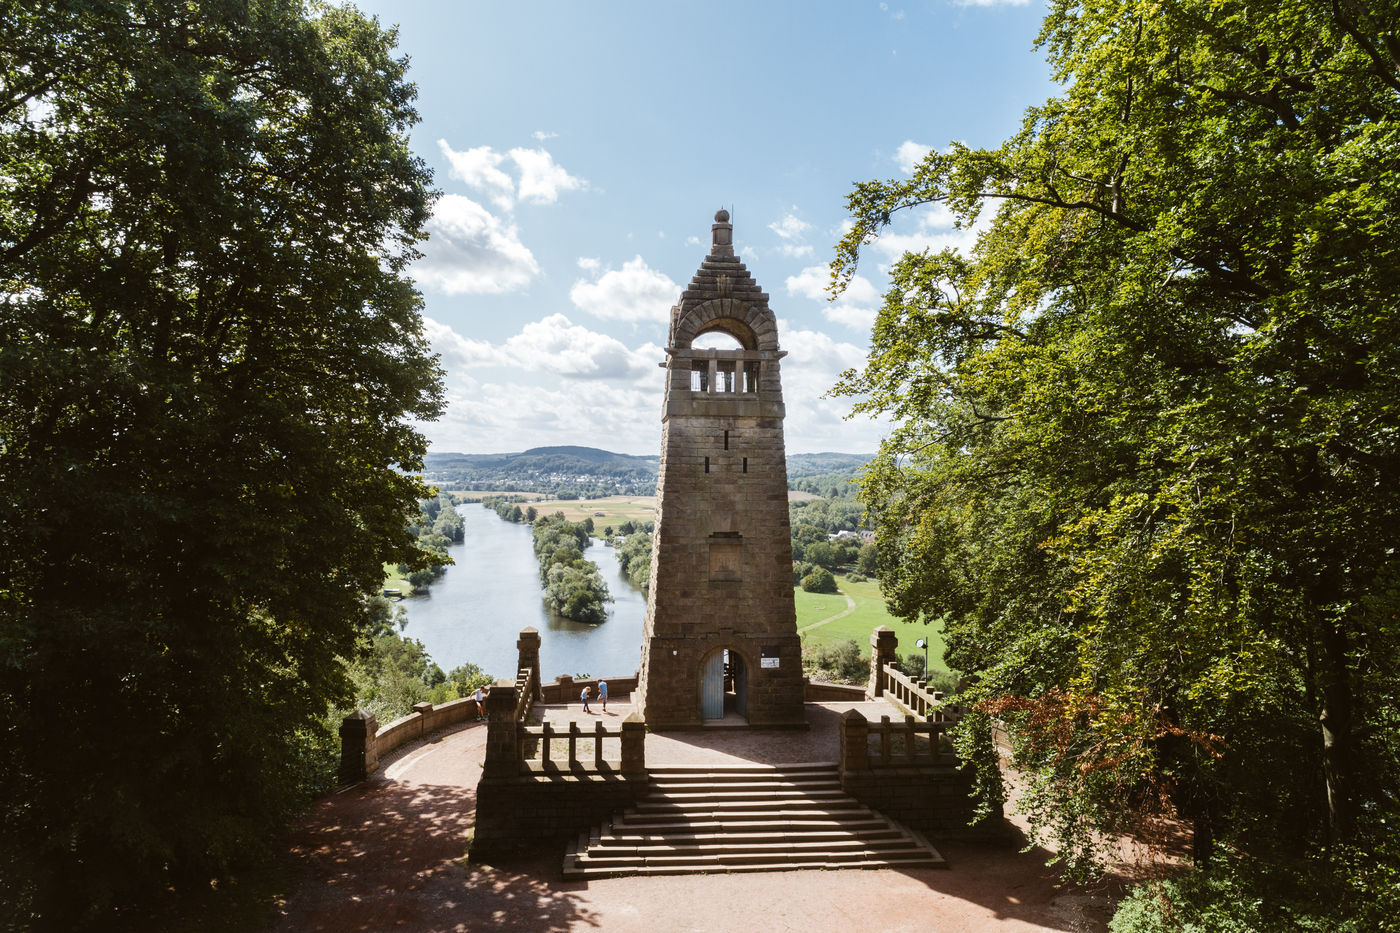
<point>590,472</point>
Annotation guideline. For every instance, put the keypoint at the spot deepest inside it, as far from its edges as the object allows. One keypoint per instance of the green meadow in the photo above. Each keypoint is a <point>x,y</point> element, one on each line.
<point>858,621</point>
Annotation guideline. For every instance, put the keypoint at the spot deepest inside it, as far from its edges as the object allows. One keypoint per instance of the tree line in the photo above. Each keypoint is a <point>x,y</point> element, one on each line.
<point>1146,453</point>
<point>213,357</point>
<point>573,587</point>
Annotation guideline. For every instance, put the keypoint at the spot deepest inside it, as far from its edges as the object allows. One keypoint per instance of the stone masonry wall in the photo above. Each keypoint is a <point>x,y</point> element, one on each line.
<point>519,815</point>
<point>933,800</point>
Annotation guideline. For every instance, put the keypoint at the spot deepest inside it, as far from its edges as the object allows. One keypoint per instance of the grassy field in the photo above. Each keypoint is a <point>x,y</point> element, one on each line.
<point>392,580</point>
<point>868,613</point>
<point>615,509</point>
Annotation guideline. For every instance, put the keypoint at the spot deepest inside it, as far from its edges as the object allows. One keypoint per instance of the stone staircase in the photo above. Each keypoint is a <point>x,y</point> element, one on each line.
<point>720,818</point>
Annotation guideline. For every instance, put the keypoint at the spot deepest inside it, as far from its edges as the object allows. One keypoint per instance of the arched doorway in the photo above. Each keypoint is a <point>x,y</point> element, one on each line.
<point>724,685</point>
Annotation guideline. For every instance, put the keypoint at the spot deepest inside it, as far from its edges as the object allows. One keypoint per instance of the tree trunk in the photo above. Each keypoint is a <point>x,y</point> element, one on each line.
<point>1336,716</point>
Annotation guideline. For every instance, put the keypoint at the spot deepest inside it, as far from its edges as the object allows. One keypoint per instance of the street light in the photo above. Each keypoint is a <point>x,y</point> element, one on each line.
<point>923,643</point>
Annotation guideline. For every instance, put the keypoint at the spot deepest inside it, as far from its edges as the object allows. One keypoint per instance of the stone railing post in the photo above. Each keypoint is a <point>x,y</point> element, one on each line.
<point>527,647</point>
<point>884,649</point>
<point>634,736</point>
<point>358,754</point>
<point>502,742</point>
<point>427,718</point>
<point>855,742</point>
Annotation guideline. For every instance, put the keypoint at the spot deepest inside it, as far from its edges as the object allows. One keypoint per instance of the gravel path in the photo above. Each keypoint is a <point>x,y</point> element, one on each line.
<point>387,855</point>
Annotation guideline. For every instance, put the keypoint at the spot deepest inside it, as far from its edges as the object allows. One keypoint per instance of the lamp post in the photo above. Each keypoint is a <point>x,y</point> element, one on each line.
<point>923,643</point>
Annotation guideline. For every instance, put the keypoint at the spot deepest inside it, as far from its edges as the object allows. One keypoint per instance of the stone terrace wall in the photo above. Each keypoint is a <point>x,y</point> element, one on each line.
<point>565,689</point>
<point>934,800</point>
<point>522,814</point>
<point>363,743</point>
<point>831,693</point>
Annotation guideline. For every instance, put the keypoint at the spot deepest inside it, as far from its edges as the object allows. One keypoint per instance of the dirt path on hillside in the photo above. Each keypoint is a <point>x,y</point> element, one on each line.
<point>850,608</point>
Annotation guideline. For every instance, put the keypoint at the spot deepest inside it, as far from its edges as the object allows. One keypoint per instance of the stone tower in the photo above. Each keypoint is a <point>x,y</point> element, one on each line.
<point>720,638</point>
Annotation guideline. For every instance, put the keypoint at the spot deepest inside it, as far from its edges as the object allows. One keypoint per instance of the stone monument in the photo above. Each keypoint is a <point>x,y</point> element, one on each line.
<point>720,639</point>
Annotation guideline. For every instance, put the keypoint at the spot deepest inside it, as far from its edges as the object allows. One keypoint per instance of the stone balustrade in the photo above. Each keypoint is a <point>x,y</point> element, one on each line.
<point>363,743</point>
<point>536,744</point>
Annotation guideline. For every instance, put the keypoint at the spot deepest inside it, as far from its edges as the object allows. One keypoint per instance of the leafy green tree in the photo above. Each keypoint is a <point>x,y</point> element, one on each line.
<point>210,353</point>
<point>634,558</point>
<point>577,591</point>
<point>819,580</point>
<point>1148,437</point>
<point>867,561</point>
<point>465,678</point>
<point>821,553</point>
<point>842,660</point>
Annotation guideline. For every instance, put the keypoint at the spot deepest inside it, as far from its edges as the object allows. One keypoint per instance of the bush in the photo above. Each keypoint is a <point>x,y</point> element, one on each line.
<point>843,660</point>
<point>819,580</point>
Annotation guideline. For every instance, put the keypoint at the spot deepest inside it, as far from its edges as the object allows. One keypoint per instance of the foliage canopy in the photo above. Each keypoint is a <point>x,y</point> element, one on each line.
<point>1148,433</point>
<point>209,353</point>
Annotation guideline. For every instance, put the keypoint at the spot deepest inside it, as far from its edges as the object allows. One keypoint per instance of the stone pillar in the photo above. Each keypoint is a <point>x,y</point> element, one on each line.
<point>884,649</point>
<point>502,750</point>
<point>855,742</point>
<point>634,734</point>
<point>358,755</point>
<point>427,719</point>
<point>528,654</point>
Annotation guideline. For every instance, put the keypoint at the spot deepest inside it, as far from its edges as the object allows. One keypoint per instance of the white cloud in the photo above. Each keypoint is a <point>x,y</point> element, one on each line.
<point>472,251</point>
<point>790,226</point>
<point>790,229</point>
<point>855,307</point>
<point>514,415</point>
<point>814,363</point>
<point>554,345</point>
<point>635,293</point>
<point>557,345</point>
<point>909,155</point>
<point>591,264</point>
<point>542,135</point>
<point>478,167</point>
<point>541,179</point>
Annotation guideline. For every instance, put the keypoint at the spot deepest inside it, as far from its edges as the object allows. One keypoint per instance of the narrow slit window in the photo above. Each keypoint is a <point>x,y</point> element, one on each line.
<point>746,464</point>
<point>707,464</point>
<point>726,440</point>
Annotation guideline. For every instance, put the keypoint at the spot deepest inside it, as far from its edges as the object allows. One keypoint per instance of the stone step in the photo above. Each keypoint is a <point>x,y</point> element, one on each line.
<point>745,818</point>
<point>755,795</point>
<point>627,834</point>
<point>747,785</point>
<point>582,867</point>
<point>725,848</point>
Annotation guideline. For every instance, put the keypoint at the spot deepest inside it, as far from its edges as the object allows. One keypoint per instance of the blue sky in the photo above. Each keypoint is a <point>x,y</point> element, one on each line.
<point>582,149</point>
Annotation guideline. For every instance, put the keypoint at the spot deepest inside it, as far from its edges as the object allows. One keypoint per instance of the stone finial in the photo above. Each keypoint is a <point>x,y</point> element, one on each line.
<point>722,234</point>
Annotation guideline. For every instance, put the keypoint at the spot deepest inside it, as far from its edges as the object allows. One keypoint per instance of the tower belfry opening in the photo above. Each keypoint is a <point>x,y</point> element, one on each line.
<point>720,637</point>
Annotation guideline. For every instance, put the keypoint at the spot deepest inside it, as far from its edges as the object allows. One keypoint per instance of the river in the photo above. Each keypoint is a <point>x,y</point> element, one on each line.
<point>475,612</point>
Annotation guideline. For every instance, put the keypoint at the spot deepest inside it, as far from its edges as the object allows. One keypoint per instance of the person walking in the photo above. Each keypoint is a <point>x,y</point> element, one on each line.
<point>480,697</point>
<point>603,693</point>
<point>583,695</point>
